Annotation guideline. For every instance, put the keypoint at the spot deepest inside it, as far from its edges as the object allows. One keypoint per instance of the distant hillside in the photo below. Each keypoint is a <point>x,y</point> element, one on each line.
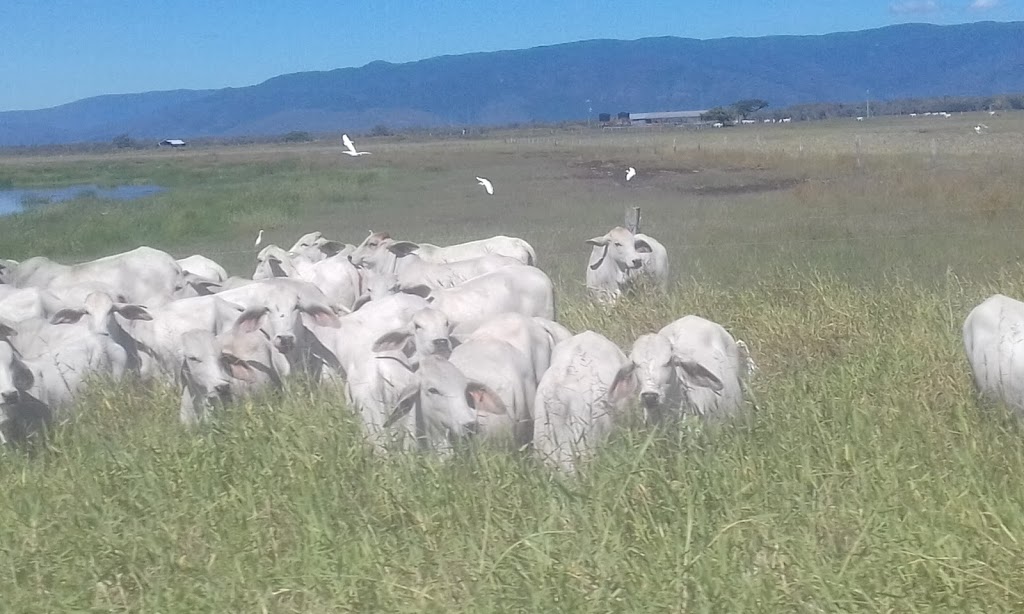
<point>548,84</point>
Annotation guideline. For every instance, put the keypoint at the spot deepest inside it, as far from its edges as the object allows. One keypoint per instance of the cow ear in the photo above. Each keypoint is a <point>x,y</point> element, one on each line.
<point>7,329</point>
<point>403,248</point>
<point>22,376</point>
<point>204,287</point>
<point>408,398</point>
<point>362,300</point>
<point>598,241</point>
<point>698,375</point>
<point>400,359</point>
<point>624,385</point>
<point>642,247</point>
<point>418,290</point>
<point>482,398</point>
<point>322,314</point>
<point>331,248</point>
<point>250,320</point>
<point>132,312</point>
<point>67,316</point>
<point>597,261</point>
<point>238,368</point>
<point>275,266</point>
<point>395,340</point>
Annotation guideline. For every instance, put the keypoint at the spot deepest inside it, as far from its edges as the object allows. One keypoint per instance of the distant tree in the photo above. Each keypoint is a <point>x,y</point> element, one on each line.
<point>604,117</point>
<point>718,114</point>
<point>749,106</point>
<point>297,137</point>
<point>123,141</point>
<point>380,130</point>
<point>623,115</point>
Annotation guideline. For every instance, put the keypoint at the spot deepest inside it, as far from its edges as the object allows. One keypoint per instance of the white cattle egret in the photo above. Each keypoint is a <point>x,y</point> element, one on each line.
<point>487,185</point>
<point>259,239</point>
<point>630,173</point>
<point>350,147</point>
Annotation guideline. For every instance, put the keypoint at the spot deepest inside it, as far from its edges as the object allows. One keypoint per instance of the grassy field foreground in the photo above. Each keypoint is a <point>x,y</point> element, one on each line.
<point>870,478</point>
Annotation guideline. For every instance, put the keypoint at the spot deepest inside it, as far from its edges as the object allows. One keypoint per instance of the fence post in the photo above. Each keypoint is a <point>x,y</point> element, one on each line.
<point>633,219</point>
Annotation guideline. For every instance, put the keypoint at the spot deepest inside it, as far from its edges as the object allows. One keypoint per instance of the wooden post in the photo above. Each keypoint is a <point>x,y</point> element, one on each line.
<point>633,219</point>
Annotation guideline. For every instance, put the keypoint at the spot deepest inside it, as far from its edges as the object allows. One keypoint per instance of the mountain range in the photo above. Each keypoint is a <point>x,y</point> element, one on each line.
<point>558,83</point>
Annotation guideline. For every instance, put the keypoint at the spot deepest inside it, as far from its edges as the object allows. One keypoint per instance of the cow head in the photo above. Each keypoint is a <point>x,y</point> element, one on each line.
<point>448,403</point>
<point>427,333</point>
<point>663,378</point>
<point>617,247</point>
<point>99,310</point>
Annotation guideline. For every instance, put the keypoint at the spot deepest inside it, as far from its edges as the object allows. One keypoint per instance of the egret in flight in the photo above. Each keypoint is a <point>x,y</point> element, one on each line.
<point>487,185</point>
<point>350,147</point>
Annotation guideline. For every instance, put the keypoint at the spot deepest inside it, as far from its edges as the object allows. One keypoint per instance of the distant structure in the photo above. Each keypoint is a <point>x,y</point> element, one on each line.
<point>666,117</point>
<point>173,143</point>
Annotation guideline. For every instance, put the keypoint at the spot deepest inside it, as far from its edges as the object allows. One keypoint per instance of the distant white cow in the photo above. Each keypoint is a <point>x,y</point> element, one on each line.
<point>521,289</point>
<point>143,275</point>
<point>204,267</point>
<point>994,341</point>
<point>399,258</point>
<point>586,390</point>
<point>17,304</point>
<point>612,261</point>
<point>335,276</point>
<point>314,247</point>
<point>512,247</point>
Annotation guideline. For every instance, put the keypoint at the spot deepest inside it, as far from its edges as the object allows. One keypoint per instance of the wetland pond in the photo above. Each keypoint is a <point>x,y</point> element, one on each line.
<point>17,200</point>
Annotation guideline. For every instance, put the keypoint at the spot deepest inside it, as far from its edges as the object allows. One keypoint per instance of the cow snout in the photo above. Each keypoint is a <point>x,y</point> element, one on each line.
<point>222,389</point>
<point>442,346</point>
<point>284,343</point>
<point>650,399</point>
<point>10,396</point>
<point>637,263</point>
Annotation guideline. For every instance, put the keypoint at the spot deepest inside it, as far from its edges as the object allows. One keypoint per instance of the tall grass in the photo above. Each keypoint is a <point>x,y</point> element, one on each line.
<point>868,479</point>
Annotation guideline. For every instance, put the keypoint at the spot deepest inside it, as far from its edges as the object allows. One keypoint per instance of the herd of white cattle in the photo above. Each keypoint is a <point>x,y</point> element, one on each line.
<point>430,345</point>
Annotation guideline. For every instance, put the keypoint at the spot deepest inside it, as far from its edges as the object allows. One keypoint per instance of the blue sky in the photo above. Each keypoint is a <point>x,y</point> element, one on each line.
<point>56,51</point>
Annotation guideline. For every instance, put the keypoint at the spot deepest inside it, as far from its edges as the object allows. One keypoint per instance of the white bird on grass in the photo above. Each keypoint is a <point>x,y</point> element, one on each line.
<point>259,239</point>
<point>980,127</point>
<point>350,147</point>
<point>630,173</point>
<point>487,185</point>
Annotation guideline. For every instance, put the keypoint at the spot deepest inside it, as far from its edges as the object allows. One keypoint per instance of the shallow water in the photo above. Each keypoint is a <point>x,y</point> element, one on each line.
<point>18,200</point>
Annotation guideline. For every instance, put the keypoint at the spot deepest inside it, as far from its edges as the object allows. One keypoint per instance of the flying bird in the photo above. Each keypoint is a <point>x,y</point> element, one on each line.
<point>350,147</point>
<point>630,173</point>
<point>259,239</point>
<point>487,185</point>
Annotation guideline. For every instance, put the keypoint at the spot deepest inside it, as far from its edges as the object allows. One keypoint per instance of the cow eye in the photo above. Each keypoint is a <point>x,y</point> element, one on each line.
<point>617,244</point>
<point>416,326</point>
<point>433,391</point>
